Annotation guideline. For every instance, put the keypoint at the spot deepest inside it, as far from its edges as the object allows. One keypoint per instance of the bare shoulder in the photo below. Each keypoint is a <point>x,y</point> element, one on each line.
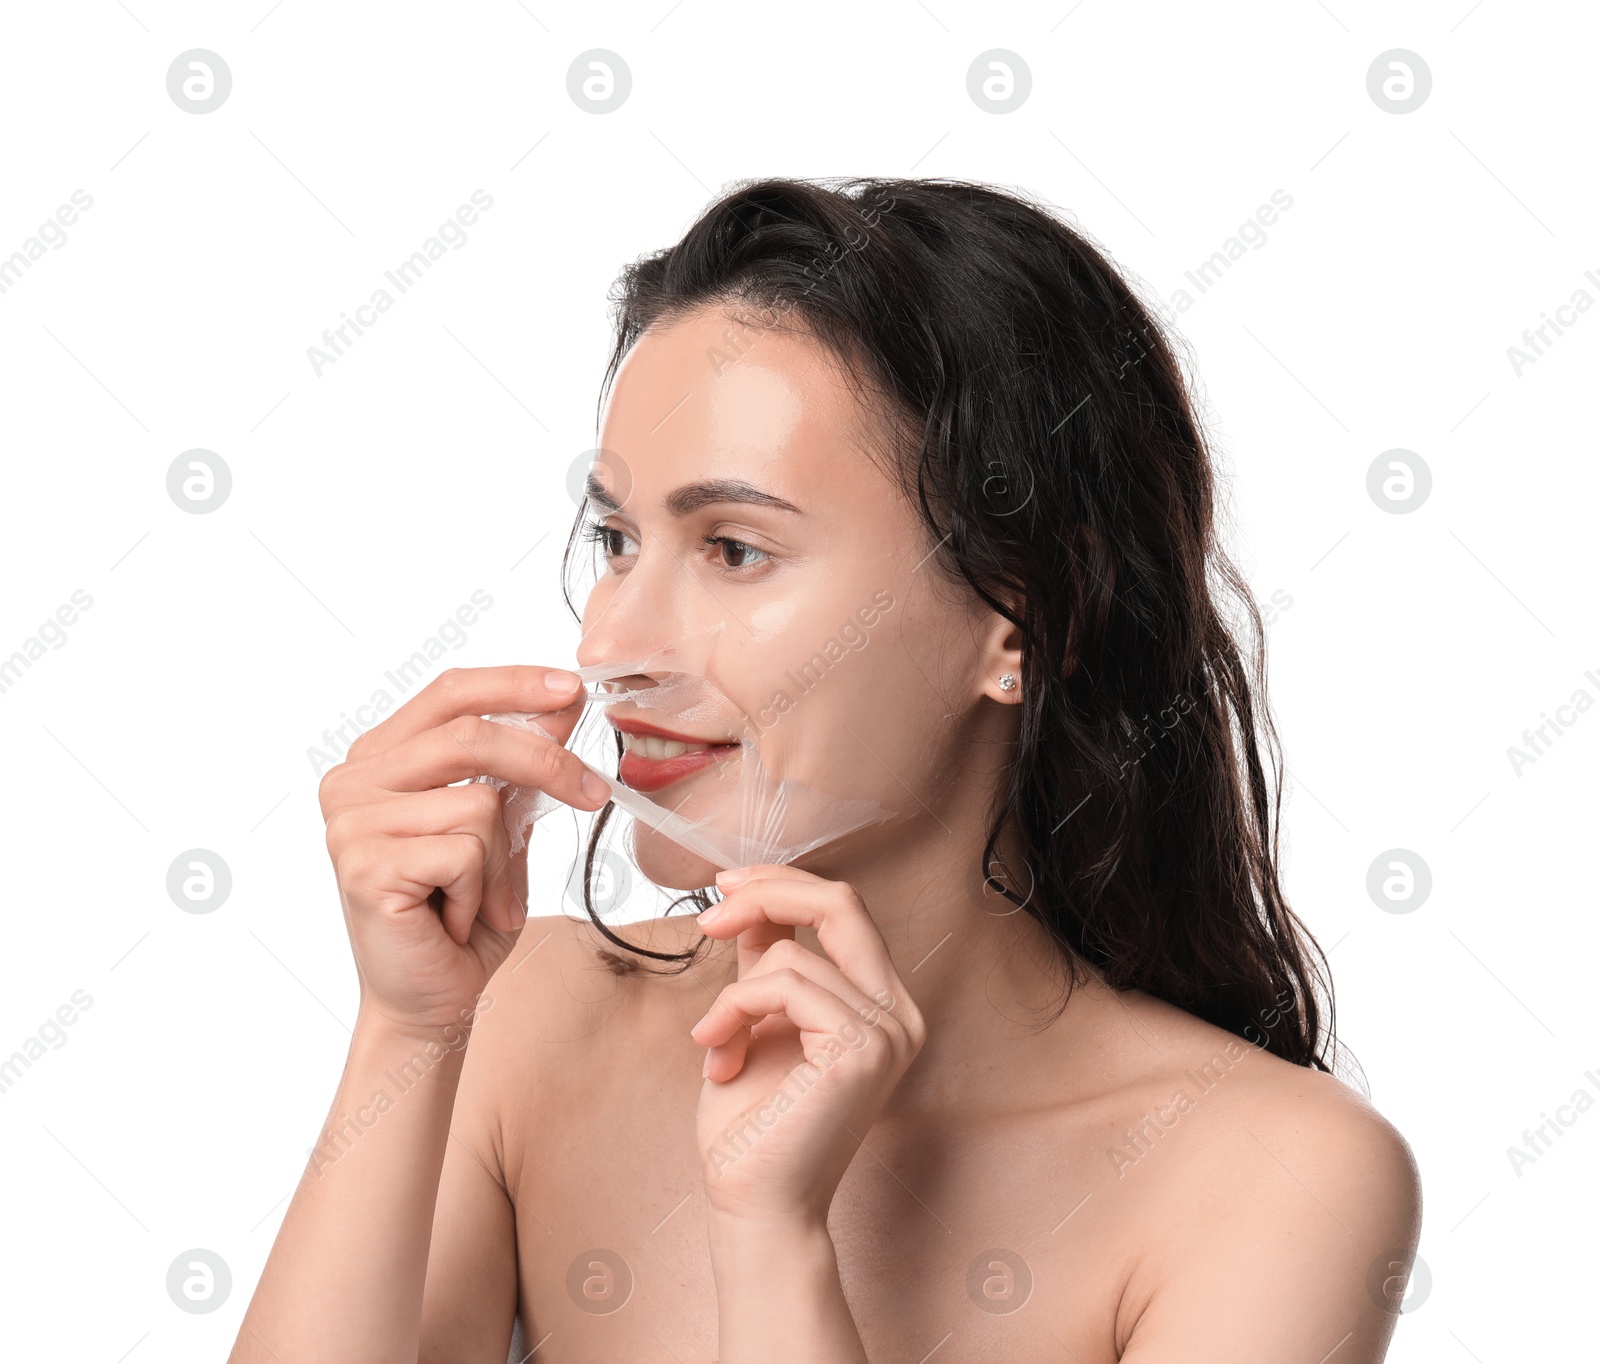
<point>564,979</point>
<point>1311,1122</point>
<point>572,1022</point>
<point>1282,1184</point>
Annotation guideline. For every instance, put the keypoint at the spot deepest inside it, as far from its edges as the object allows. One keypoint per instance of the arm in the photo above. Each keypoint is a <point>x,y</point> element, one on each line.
<point>345,1277</point>
<point>469,1301</point>
<point>400,1242</point>
<point>836,1033</point>
<point>781,1283</point>
<point>1302,1258</point>
<point>432,905</point>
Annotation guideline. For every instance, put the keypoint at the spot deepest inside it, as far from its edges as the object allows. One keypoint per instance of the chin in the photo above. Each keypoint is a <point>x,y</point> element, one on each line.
<point>667,864</point>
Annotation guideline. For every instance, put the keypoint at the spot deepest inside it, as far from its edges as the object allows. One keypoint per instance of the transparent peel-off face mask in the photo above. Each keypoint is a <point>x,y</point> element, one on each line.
<point>692,766</point>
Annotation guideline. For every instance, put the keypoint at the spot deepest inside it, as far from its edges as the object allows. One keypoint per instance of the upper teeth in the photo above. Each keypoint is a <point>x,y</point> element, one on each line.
<point>651,746</point>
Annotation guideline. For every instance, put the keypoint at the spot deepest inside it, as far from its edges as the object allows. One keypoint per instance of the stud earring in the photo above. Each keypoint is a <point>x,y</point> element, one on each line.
<point>1008,681</point>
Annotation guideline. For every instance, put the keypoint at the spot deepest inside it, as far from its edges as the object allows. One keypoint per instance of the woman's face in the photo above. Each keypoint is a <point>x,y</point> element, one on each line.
<point>738,512</point>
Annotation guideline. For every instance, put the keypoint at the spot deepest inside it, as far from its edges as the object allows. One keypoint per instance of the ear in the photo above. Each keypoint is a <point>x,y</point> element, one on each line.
<point>1000,655</point>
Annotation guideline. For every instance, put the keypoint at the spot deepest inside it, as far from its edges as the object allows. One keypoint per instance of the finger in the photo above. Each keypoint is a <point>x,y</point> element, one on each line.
<point>412,867</point>
<point>825,1021</point>
<point>757,937</point>
<point>474,691</point>
<point>831,909</point>
<point>755,942</point>
<point>518,862</point>
<point>463,894</point>
<point>788,955</point>
<point>470,746</point>
<point>474,808</point>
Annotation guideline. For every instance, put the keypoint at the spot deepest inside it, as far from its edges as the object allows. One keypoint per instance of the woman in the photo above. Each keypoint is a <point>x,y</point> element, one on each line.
<point>1036,1068</point>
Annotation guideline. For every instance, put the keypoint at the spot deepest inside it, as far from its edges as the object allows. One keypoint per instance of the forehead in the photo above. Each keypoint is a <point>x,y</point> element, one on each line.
<point>712,394</point>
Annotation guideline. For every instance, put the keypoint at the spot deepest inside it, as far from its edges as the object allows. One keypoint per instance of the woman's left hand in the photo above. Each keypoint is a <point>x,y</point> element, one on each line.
<point>804,1048</point>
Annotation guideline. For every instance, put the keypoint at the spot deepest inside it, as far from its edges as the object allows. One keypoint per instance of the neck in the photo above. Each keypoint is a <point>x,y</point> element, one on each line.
<point>985,974</point>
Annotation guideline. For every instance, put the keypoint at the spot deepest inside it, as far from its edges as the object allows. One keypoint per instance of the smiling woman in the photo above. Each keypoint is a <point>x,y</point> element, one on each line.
<point>917,1089</point>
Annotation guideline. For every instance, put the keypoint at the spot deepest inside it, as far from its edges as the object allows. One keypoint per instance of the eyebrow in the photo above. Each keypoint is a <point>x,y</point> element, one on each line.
<point>693,496</point>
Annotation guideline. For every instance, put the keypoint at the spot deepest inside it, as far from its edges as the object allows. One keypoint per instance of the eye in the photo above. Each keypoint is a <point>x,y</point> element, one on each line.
<point>735,553</point>
<point>613,542</point>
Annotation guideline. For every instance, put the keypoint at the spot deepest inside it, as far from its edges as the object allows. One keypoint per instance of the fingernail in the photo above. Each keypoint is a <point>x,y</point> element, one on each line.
<point>705,1066</point>
<point>560,681</point>
<point>737,877</point>
<point>519,915</point>
<point>594,788</point>
<point>709,916</point>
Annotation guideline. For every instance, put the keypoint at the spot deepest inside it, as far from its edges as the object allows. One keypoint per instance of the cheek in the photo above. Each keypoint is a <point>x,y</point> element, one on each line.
<point>667,864</point>
<point>771,619</point>
<point>857,696</point>
<point>905,695</point>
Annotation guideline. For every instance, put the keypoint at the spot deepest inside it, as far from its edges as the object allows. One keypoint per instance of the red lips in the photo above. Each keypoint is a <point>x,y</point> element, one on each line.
<point>646,773</point>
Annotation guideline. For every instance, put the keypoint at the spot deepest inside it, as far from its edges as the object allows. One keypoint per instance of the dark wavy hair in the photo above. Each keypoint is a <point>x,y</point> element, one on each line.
<point>1042,426</point>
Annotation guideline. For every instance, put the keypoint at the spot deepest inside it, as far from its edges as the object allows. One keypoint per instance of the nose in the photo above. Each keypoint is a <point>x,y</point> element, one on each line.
<point>635,614</point>
<point>666,647</point>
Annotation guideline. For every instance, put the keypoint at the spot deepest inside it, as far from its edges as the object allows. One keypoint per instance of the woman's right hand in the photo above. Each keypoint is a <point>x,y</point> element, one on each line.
<point>397,830</point>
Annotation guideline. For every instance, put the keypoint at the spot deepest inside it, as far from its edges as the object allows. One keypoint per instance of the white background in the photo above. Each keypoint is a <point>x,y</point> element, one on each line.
<point>369,502</point>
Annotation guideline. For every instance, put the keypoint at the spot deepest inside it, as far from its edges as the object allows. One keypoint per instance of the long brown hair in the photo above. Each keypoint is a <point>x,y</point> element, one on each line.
<point>1047,436</point>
